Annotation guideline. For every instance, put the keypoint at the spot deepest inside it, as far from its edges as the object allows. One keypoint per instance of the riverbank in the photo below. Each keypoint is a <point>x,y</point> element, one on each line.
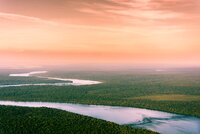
<point>23,120</point>
<point>161,122</point>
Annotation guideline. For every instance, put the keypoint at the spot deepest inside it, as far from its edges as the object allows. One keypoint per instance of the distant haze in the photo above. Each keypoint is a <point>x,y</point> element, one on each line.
<point>100,33</point>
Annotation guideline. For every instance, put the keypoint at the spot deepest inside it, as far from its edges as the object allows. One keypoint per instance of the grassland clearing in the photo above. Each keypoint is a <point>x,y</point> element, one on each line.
<point>169,97</point>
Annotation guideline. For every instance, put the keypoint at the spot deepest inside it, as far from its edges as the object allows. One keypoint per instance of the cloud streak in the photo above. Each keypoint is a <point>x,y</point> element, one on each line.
<point>15,17</point>
<point>104,29</point>
<point>109,12</point>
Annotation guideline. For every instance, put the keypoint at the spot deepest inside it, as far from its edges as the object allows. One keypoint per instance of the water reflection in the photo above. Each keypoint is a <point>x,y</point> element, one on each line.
<point>65,82</point>
<point>161,122</point>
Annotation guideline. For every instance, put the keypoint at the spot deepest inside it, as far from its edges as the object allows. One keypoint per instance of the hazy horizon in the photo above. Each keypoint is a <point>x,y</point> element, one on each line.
<point>108,33</point>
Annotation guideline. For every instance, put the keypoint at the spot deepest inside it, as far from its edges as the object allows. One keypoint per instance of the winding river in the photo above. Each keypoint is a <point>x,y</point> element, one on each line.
<point>162,122</point>
<point>65,82</point>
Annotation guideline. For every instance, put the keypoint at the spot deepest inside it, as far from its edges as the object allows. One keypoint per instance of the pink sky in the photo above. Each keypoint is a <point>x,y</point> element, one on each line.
<point>147,32</point>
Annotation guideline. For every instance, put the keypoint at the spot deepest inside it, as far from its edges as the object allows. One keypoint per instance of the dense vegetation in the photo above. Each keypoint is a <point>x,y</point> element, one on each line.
<point>18,120</point>
<point>119,88</point>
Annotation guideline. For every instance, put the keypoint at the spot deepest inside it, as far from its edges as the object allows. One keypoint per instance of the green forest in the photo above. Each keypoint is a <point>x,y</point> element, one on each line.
<point>20,120</point>
<point>127,88</point>
<point>117,89</point>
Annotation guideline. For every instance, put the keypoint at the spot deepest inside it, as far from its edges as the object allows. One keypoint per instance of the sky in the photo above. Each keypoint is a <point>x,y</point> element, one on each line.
<point>124,32</point>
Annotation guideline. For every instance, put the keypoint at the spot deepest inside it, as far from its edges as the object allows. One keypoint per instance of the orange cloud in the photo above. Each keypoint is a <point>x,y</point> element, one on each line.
<point>131,31</point>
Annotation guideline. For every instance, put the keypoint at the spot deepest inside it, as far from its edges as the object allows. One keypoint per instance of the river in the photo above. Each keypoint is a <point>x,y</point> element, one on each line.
<point>162,122</point>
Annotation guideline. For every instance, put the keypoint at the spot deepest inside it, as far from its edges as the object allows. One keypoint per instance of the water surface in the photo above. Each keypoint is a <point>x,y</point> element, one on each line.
<point>162,122</point>
<point>64,81</point>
